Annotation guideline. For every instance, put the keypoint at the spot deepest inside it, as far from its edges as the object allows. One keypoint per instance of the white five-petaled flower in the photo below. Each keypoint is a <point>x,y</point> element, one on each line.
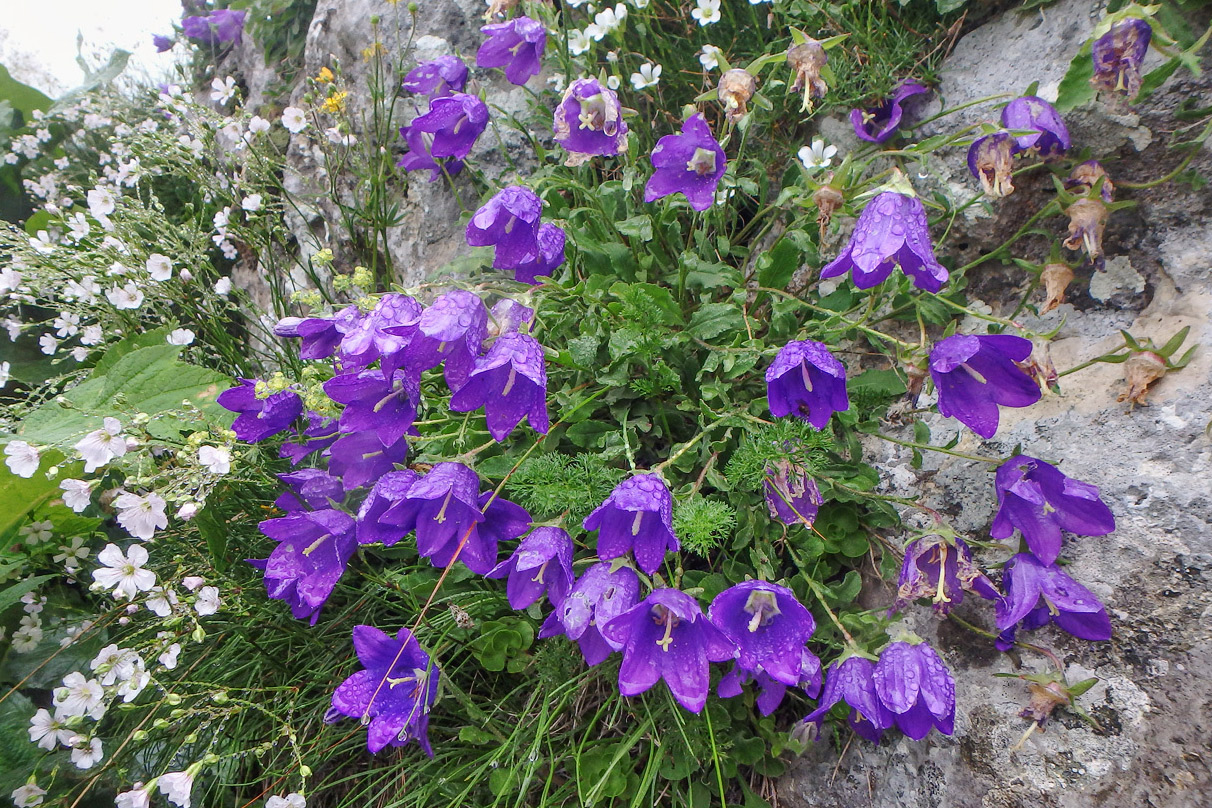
<point>294,119</point>
<point>101,202</point>
<point>86,752</point>
<point>21,458</point>
<point>292,800</point>
<point>125,297</point>
<point>169,658</point>
<point>605,21</point>
<point>161,600</point>
<point>208,601</point>
<point>142,516</point>
<point>613,82</point>
<point>176,786</point>
<point>216,459</point>
<point>67,324</point>
<point>113,664</point>
<point>252,203</point>
<point>223,287</point>
<point>709,57</point>
<point>102,445</point>
<point>578,42</point>
<point>222,91</point>
<point>180,336</point>
<point>124,574</point>
<point>707,12</point>
<point>48,344</point>
<point>649,76</point>
<point>28,795</point>
<point>78,697</point>
<point>258,125</point>
<point>37,532</point>
<point>70,555</point>
<point>48,731</point>
<point>816,156</point>
<point>6,373</point>
<point>159,267</point>
<point>137,797</point>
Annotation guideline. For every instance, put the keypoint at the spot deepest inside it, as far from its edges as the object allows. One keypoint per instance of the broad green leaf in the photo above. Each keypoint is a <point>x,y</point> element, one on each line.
<point>1075,89</point>
<point>21,97</point>
<point>20,496</point>
<point>775,268</point>
<point>12,594</point>
<point>714,319</point>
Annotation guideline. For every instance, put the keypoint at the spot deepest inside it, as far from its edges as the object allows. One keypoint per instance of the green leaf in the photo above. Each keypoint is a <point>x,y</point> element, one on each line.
<point>948,6</point>
<point>1075,89</point>
<point>881,383</point>
<point>13,594</point>
<point>21,97</point>
<point>636,227</point>
<point>775,268</point>
<point>1156,78</point>
<point>20,496</point>
<point>655,303</point>
<point>714,319</point>
<point>18,757</point>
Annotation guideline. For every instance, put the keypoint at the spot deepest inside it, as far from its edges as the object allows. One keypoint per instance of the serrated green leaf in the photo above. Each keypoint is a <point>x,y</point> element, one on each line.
<point>714,319</point>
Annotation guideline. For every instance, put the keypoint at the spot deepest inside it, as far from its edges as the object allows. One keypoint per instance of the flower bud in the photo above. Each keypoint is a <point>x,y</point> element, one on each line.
<point>735,89</point>
<point>1140,371</point>
<point>807,59</point>
<point>1056,279</point>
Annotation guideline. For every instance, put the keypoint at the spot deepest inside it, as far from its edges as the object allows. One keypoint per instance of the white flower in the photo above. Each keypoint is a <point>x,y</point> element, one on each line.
<point>292,800</point>
<point>216,459</point>
<point>21,458</point>
<point>294,119</point>
<point>102,445</point>
<point>85,290</point>
<point>648,76</point>
<point>14,327</point>
<point>159,267</point>
<point>169,658</point>
<point>91,335</point>
<point>10,279</point>
<point>180,336</point>
<point>709,58</point>
<point>176,786</point>
<point>613,82</point>
<point>139,678</point>
<point>816,156</point>
<point>80,228</point>
<point>6,373</point>
<point>86,752</point>
<point>640,3</point>
<point>258,125</point>
<point>138,797</point>
<point>161,600</point>
<point>141,516</point>
<point>26,639</point>
<point>208,601</point>
<point>188,511</point>
<point>124,574</point>
<point>48,731</point>
<point>118,269</point>
<point>70,555</point>
<point>37,532</point>
<point>101,202</point>
<point>114,664</point>
<point>222,91</point>
<point>43,243</point>
<point>48,344</point>
<point>79,696</point>
<point>223,287</point>
<point>605,21</point>
<point>251,203</point>
<point>67,324</point>
<point>192,582</point>
<point>708,12</point>
<point>79,353</point>
<point>578,42</point>
<point>28,795</point>
<point>125,297</point>
<point>338,138</point>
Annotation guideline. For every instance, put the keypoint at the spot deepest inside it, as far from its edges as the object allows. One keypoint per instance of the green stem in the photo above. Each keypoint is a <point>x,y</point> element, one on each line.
<point>850,323</point>
<point>952,452</point>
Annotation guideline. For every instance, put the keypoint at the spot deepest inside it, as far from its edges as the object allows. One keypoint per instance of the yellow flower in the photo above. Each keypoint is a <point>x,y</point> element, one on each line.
<point>372,51</point>
<point>335,103</point>
<point>324,76</point>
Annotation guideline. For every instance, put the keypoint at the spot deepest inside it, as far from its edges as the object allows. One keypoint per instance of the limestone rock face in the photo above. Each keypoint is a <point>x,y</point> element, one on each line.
<point>1153,703</point>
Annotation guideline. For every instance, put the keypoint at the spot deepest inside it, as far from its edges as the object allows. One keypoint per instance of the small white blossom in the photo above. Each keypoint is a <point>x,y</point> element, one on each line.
<point>707,12</point>
<point>252,203</point>
<point>223,287</point>
<point>816,156</point>
<point>21,458</point>
<point>258,125</point>
<point>649,76</point>
<point>292,800</point>
<point>180,336</point>
<point>37,532</point>
<point>67,324</point>
<point>28,795</point>
<point>79,696</point>
<point>208,601</point>
<point>137,797</point>
<point>49,731</point>
<point>709,58</point>
<point>216,459</point>
<point>102,445</point>
<point>222,91</point>
<point>188,511</point>
<point>101,202</point>
<point>578,42</point>
<point>91,335</point>
<point>42,243</point>
<point>79,353</point>
<point>169,658</point>
<point>294,119</point>
<point>86,752</point>
<point>192,582</point>
<point>6,373</point>
<point>125,297</point>
<point>142,516</point>
<point>114,664</point>
<point>159,267</point>
<point>48,344</point>
<point>85,290</point>
<point>10,280</point>
<point>161,600</point>
<point>176,786</point>
<point>70,555</point>
<point>124,574</point>
<point>26,639</point>
<point>613,82</point>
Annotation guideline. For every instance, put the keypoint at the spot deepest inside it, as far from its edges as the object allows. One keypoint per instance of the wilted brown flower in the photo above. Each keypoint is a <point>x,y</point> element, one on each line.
<point>735,89</point>
<point>990,161</point>
<point>807,59</point>
<point>1056,279</point>
<point>1087,221</point>
<point>1140,371</point>
<point>827,200</point>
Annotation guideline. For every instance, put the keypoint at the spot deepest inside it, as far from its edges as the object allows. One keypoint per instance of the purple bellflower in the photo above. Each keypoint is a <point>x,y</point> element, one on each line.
<point>216,28</point>
<point>880,123</point>
<point>260,417</point>
<point>1038,593</point>
<point>806,381</point>
<point>308,490</point>
<point>361,458</point>
<point>1118,56</point>
<point>394,692</point>
<point>542,564</point>
<point>596,598</point>
<point>369,339</point>
<point>510,383</point>
<point>770,690</point>
<point>990,160</point>
<point>313,549</point>
<point>419,156</point>
<point>890,232</point>
<point>1040,501</point>
<point>916,687</point>
<point>322,335</point>
<point>589,121</point>
<point>792,497</point>
<point>853,680</point>
<point>455,122</point>
<point>1051,136</point>
<point>973,374</point>
<point>551,255</point>
<point>509,317</point>
<point>636,517</point>
<point>379,516</point>
<point>510,222</point>
<point>375,402</point>
<point>438,78</point>
<point>162,43</point>
<point>319,435</point>
<point>935,568</point>
<point>451,331</point>
<point>691,163</point>
<point>516,45</point>
<point>666,636</point>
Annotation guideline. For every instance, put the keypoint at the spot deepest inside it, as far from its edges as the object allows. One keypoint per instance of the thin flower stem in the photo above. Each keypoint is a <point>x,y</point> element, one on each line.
<point>685,447</point>
<point>997,461</point>
<point>851,323</point>
<point>1109,357</point>
<point>950,110</point>
<point>1024,645</point>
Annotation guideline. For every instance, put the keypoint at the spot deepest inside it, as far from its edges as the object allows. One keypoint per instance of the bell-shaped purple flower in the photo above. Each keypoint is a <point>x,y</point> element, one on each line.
<point>879,123</point>
<point>938,569</point>
<point>691,163</point>
<point>370,338</point>
<point>313,549</point>
<point>380,515</point>
<point>437,78</point>
<point>509,317</point>
<point>596,598</point>
<point>551,255</point>
<point>516,45</point>
<point>1051,136</point>
<point>806,381</point>
<point>768,625</point>
<point>162,43</point>
<point>1118,56</point>
<point>510,383</point>
<point>589,121</point>
<point>1038,593</point>
<point>216,28</point>
<point>636,517</point>
<point>792,497</point>
<point>510,222</point>
<point>260,417</point>
<point>455,122</point>
<point>1040,501</point>
<point>375,402</point>
<point>319,435</point>
<point>990,159</point>
<point>853,680</point>
<point>361,458</point>
<point>891,232</point>
<point>393,693</point>
<point>916,687</point>
<point>419,156</point>
<point>451,331</point>
<point>321,336</point>
<point>975,373</point>
<point>666,636</point>
<point>542,565</point>
<point>771,690</point>
<point>309,490</point>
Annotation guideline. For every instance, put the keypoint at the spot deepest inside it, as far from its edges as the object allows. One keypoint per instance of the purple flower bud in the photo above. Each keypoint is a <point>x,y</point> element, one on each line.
<point>891,232</point>
<point>288,327</point>
<point>990,161</point>
<point>636,517</point>
<point>419,156</point>
<point>806,381</point>
<point>1118,56</point>
<point>452,330</point>
<point>596,598</point>
<point>382,334</point>
<point>1038,593</point>
<point>792,497</point>
<point>667,637</point>
<point>375,402</point>
<point>259,417</point>
<point>361,458</point>
<point>313,549</point>
<point>394,693</point>
<point>516,45</point>
<point>509,317</point>
<point>551,256</point>
<point>510,222</point>
<point>973,374</point>
<point>589,121</point>
<point>880,123</point>
<point>916,687</point>
<point>853,680</point>
<point>510,383</point>
<point>438,78</point>
<point>542,564</point>
<point>1040,501</point>
<point>309,490</point>
<point>215,28</point>
<point>1051,136</point>
<point>455,122</point>
<point>380,515</point>
<point>935,568</point>
<point>162,43</point>
<point>769,626</point>
<point>691,163</point>
<point>322,335</point>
